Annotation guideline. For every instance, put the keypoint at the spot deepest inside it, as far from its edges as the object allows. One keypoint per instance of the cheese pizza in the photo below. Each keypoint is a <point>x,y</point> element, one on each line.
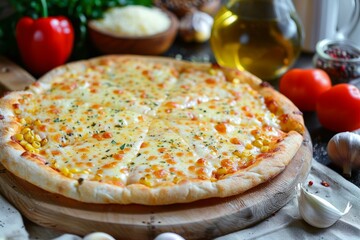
<point>147,130</point>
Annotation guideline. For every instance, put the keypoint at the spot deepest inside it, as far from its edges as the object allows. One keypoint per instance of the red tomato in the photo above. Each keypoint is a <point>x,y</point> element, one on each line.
<point>304,86</point>
<point>338,109</point>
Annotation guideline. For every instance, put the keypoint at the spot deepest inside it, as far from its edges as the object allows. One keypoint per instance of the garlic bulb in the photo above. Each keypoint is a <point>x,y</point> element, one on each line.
<point>196,27</point>
<point>98,236</point>
<point>318,212</point>
<point>169,236</point>
<point>344,150</point>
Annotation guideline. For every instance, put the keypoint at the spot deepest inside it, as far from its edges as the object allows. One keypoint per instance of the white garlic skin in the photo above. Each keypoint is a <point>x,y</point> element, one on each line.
<point>317,211</point>
<point>98,236</point>
<point>196,27</point>
<point>169,236</point>
<point>344,151</point>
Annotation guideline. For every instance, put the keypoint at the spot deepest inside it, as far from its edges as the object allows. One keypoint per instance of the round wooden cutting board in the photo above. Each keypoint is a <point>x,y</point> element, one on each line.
<point>203,219</point>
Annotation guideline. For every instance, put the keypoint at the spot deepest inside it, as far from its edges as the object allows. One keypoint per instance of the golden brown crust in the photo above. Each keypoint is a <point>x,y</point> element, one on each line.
<point>35,170</point>
<point>277,103</point>
<point>94,192</point>
<point>291,117</point>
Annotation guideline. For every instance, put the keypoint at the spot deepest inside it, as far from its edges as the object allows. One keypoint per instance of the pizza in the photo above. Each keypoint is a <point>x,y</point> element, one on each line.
<point>147,130</point>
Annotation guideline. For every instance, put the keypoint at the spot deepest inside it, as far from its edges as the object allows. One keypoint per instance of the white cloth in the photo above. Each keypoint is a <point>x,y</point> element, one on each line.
<point>288,224</point>
<point>11,223</point>
<point>285,224</point>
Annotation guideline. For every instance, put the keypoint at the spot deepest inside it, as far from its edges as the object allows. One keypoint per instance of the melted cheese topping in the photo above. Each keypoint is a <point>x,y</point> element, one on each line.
<point>132,122</point>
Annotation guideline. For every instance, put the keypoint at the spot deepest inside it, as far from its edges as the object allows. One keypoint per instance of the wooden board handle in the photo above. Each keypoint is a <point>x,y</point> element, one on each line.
<point>13,77</point>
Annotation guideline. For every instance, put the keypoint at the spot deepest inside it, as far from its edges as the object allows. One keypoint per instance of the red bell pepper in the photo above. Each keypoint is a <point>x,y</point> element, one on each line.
<point>44,43</point>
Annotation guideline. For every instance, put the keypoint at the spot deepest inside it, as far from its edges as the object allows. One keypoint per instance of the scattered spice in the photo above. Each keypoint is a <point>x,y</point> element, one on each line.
<point>325,184</point>
<point>80,180</point>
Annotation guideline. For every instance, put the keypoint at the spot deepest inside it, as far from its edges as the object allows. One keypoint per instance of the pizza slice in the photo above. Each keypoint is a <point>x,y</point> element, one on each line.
<point>165,158</point>
<point>226,147</point>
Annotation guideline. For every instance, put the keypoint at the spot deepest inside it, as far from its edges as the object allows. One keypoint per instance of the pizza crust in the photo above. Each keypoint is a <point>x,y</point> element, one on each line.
<point>189,191</point>
<point>35,170</point>
<point>281,104</point>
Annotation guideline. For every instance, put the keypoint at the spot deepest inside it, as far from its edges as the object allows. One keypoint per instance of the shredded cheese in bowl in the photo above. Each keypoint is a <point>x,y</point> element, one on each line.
<point>134,21</point>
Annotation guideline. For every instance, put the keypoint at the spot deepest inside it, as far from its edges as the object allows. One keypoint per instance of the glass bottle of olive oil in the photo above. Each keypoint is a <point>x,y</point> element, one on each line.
<point>260,36</point>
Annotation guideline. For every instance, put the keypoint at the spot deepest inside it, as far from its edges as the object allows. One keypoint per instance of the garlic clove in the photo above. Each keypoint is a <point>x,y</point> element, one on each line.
<point>196,27</point>
<point>98,236</point>
<point>169,236</point>
<point>318,212</point>
<point>344,150</point>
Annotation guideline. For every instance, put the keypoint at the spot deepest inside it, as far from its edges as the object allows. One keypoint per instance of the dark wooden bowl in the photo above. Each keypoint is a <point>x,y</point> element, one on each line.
<point>109,43</point>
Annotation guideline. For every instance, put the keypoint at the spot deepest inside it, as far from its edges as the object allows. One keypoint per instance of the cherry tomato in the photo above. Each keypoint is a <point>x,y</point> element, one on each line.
<point>338,109</point>
<point>304,86</point>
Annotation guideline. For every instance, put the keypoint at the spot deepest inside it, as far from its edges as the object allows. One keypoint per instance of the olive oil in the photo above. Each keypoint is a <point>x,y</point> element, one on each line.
<point>265,42</point>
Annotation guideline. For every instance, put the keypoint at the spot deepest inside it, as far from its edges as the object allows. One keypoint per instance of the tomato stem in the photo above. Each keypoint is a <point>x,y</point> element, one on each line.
<point>44,8</point>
